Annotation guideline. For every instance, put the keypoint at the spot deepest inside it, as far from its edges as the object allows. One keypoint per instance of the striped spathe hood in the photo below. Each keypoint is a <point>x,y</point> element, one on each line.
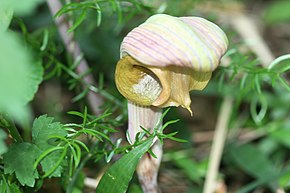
<point>164,40</point>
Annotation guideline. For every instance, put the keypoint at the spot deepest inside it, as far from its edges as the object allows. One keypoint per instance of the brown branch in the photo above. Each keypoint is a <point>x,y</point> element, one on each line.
<point>63,24</point>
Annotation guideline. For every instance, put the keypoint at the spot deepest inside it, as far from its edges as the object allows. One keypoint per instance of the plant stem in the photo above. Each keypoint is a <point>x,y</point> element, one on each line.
<point>63,25</point>
<point>10,126</point>
<point>147,170</point>
<point>77,172</point>
<point>80,168</point>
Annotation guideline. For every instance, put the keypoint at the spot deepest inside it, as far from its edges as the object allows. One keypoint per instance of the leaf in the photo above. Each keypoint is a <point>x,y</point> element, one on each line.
<point>250,187</point>
<point>284,181</point>
<point>259,114</point>
<point>278,12</point>
<point>19,76</point>
<point>42,130</point>
<point>281,136</point>
<point>280,64</point>
<point>35,77</point>
<point>22,7</point>
<point>284,83</point>
<point>19,160</point>
<point>3,147</point>
<point>14,189</point>
<point>79,184</point>
<point>9,188</point>
<point>188,165</point>
<point>134,188</point>
<point>80,19</point>
<point>118,176</point>
<point>252,161</point>
<point>5,18</point>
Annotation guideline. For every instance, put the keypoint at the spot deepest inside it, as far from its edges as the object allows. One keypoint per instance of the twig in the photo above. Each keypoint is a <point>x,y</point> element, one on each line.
<point>95,100</point>
<point>218,144</point>
<point>246,27</point>
<point>245,135</point>
<point>280,190</point>
<point>91,182</point>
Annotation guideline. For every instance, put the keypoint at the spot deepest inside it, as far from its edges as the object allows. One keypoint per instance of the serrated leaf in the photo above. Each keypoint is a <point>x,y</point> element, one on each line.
<point>20,76</point>
<point>118,176</point>
<point>42,130</point>
<point>19,160</point>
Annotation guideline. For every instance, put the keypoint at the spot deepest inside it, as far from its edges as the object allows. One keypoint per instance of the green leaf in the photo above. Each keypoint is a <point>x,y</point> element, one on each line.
<point>284,181</point>
<point>9,188</point>
<point>35,77</point>
<point>259,115</point>
<point>284,83</point>
<point>80,19</point>
<point>278,12</point>
<point>20,76</point>
<point>252,161</point>
<point>282,136</point>
<point>280,64</point>
<point>79,184</point>
<point>118,176</point>
<point>188,166</point>
<point>14,189</point>
<point>42,130</point>
<point>3,147</point>
<point>5,18</point>
<point>250,187</point>
<point>19,160</point>
<point>135,188</point>
<point>22,7</point>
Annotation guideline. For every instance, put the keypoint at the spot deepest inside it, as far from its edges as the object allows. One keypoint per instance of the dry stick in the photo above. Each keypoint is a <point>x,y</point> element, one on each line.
<point>245,26</point>
<point>95,100</point>
<point>91,182</point>
<point>218,144</point>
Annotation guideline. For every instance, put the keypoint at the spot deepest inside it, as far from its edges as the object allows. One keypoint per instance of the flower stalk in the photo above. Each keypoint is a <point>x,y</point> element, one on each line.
<point>149,118</point>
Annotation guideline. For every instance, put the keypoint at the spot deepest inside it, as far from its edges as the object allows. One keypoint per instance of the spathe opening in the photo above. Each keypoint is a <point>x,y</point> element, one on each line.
<point>148,84</point>
<point>136,82</point>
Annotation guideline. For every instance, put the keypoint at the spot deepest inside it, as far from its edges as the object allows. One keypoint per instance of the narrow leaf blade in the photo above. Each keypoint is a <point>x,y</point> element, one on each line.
<point>118,176</point>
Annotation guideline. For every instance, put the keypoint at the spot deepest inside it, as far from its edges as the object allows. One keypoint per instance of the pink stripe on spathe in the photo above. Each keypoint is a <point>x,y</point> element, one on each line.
<point>164,40</point>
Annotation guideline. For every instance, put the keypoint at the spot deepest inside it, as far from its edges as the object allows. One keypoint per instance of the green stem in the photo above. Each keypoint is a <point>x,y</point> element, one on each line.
<point>5,122</point>
<point>80,168</point>
<point>76,174</point>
